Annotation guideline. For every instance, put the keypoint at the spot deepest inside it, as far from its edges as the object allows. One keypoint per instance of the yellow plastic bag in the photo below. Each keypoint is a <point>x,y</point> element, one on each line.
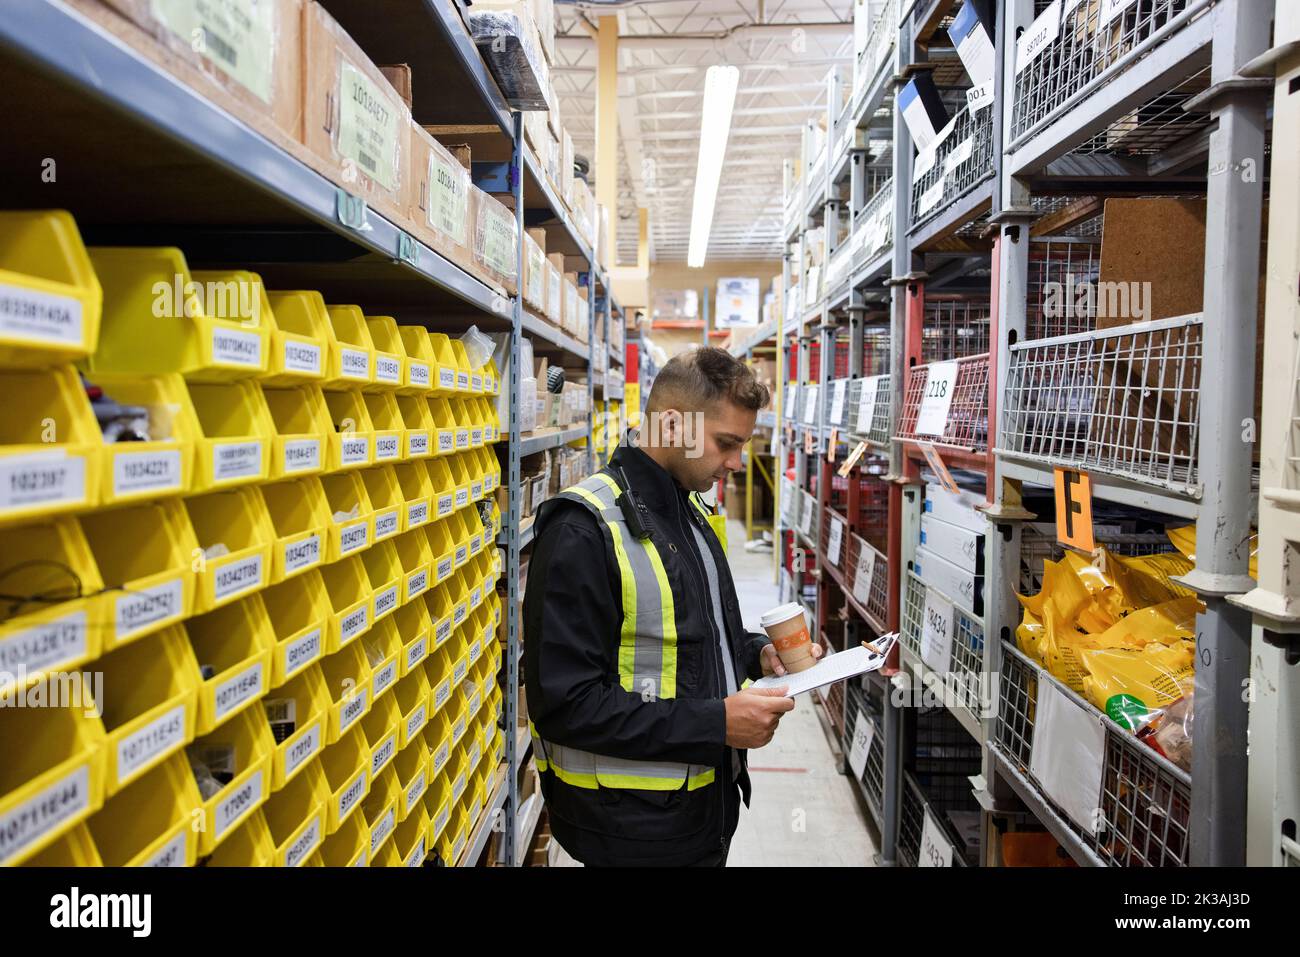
<point>1184,539</point>
<point>1131,685</point>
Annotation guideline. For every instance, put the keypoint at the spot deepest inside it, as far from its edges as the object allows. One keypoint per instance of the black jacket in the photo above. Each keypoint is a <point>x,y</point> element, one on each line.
<point>572,616</point>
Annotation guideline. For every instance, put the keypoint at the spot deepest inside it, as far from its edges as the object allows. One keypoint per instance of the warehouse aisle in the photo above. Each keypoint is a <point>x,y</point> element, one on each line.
<point>804,812</point>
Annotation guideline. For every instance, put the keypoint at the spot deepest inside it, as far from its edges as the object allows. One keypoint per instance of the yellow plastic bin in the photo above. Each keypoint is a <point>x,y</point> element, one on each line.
<point>412,693</point>
<point>300,334</point>
<point>437,742</point>
<point>412,837</point>
<point>460,480</point>
<point>303,428</point>
<point>459,770</point>
<point>164,463</point>
<point>76,848</point>
<point>300,517</point>
<point>412,772</point>
<point>383,650</point>
<point>418,420</point>
<point>347,677</point>
<point>380,812</point>
<point>437,802</point>
<point>442,437</point>
<point>238,758</point>
<point>387,857</point>
<point>150,823</point>
<point>349,846</point>
<point>347,770</point>
<point>476,468</point>
<point>463,372</point>
<point>234,533</point>
<point>352,517</point>
<point>385,496</point>
<point>415,632</point>
<point>417,494</point>
<point>148,693</point>
<point>381,728</point>
<point>475,410</point>
<point>460,415</point>
<point>421,363</point>
<point>151,584</point>
<point>473,631</point>
<point>351,600</point>
<point>50,445</point>
<point>442,500</point>
<point>384,571</point>
<point>295,816</point>
<point>443,545</point>
<point>440,343</point>
<point>492,378</point>
<point>51,775</point>
<point>352,443</point>
<point>300,611</point>
<point>234,646</point>
<point>441,612</point>
<point>390,354</point>
<point>53,300</point>
<point>470,691</point>
<point>390,430</point>
<point>67,626</point>
<point>415,557</point>
<point>350,360</point>
<point>249,845</point>
<point>297,715</point>
<point>236,434</point>
<point>457,710</point>
<point>160,318</point>
<point>438,673</point>
<point>459,591</point>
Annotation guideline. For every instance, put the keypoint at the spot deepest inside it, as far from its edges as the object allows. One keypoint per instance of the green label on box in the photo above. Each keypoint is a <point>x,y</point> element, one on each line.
<point>236,36</point>
<point>368,125</point>
<point>499,243</point>
<point>448,198</point>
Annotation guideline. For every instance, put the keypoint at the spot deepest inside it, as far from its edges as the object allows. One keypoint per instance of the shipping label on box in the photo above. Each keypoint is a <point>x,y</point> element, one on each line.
<point>963,587</point>
<point>961,546</point>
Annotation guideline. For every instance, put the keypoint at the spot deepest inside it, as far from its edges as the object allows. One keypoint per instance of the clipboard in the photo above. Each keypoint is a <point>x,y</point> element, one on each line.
<point>832,668</point>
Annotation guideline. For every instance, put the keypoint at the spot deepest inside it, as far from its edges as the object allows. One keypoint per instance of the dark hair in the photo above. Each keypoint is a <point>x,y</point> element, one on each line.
<point>700,377</point>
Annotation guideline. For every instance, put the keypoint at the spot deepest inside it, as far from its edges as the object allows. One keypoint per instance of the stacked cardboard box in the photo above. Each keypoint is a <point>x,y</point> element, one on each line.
<point>951,554</point>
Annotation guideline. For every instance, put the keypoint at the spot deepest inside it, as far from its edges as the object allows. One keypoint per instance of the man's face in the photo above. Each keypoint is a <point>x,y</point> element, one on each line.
<point>706,445</point>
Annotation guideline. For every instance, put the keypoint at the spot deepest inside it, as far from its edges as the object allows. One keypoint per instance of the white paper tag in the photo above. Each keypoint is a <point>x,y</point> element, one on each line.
<point>31,316</point>
<point>932,418</point>
<point>301,455</point>
<point>1067,754</point>
<point>978,97</point>
<point>864,729</point>
<point>301,848</point>
<point>157,738</point>
<point>385,602</point>
<point>387,447</point>
<point>44,811</point>
<point>388,370</point>
<point>1041,33</point>
<point>462,439</point>
<point>446,441</point>
<point>355,364</point>
<point>959,154</point>
<point>238,576</point>
<point>354,623</point>
<point>930,198</point>
<point>836,538</point>
<point>936,632</point>
<point>936,851</point>
<point>810,406</point>
<point>42,478</point>
<point>867,404</point>
<point>445,568</point>
<point>146,471</point>
<point>441,694</point>
<point>415,722</point>
<point>462,497</point>
<point>355,449</point>
<point>417,583</point>
<point>350,798</point>
<point>233,808</point>
<point>383,754</point>
<point>302,554</point>
<point>302,357</point>
<point>236,348</point>
<point>838,389</point>
<point>382,829</point>
<point>236,460</point>
<point>243,687</point>
<point>133,611</point>
<point>462,381</point>
<point>417,653</point>
<point>416,790</point>
<point>417,514</point>
<point>352,709</point>
<point>384,677</point>
<point>417,444</point>
<point>301,652</point>
<point>863,576</point>
<point>446,504</point>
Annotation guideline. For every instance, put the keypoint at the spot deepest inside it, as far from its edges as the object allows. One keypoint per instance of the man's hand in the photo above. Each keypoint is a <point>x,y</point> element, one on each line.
<point>771,661</point>
<point>753,714</point>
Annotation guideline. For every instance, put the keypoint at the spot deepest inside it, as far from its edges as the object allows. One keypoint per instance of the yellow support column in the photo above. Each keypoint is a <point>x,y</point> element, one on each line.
<point>607,116</point>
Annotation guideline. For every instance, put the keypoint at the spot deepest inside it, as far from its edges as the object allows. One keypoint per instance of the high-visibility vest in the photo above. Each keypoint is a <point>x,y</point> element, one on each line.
<point>647,656</point>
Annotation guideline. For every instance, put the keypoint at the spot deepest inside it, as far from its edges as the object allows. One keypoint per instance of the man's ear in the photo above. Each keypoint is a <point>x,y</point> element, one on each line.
<point>670,428</point>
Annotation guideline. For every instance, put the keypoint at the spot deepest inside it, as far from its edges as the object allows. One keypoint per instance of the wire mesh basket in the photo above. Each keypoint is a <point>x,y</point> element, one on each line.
<point>966,425</point>
<point>1063,275</point>
<point>875,224</point>
<point>964,670</point>
<point>867,576</point>
<point>809,518</point>
<point>954,328</point>
<point>834,532</point>
<point>1038,544</point>
<point>954,165</point>
<point>865,699</point>
<point>911,824</point>
<point>944,757</point>
<point>838,403</point>
<point>1123,401</point>
<point>1144,805</point>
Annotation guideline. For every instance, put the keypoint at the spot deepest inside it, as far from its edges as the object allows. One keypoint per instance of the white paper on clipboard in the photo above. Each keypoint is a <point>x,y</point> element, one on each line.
<point>832,668</point>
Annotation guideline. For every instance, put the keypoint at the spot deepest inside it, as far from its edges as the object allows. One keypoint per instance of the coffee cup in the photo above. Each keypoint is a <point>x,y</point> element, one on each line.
<point>788,629</point>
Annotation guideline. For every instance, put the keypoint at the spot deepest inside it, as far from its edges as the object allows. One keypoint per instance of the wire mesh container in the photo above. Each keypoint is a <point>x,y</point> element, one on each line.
<point>809,518</point>
<point>944,757</point>
<point>1063,275</point>
<point>953,166</point>
<point>875,352</point>
<point>1038,544</point>
<point>966,425</point>
<point>875,224</point>
<point>1144,805</point>
<point>864,700</point>
<point>911,824</point>
<point>867,576</point>
<point>1122,401</point>
<point>954,328</point>
<point>875,52</point>
<point>963,673</point>
<point>834,531</point>
<point>838,403</point>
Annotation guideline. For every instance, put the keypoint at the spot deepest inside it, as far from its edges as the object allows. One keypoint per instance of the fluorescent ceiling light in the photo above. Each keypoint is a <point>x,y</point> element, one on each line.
<point>715,126</point>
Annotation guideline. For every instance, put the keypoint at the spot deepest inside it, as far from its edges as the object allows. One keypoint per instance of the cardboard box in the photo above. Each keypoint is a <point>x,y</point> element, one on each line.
<point>570,321</point>
<point>496,250</point>
<point>399,78</point>
<point>961,546</point>
<point>554,293</point>
<point>437,201</point>
<point>353,120</point>
<point>959,510</point>
<point>966,589</point>
<point>535,269</point>
<point>566,169</point>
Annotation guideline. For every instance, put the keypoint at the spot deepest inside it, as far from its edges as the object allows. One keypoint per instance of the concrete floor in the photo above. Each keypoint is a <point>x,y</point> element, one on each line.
<point>803,812</point>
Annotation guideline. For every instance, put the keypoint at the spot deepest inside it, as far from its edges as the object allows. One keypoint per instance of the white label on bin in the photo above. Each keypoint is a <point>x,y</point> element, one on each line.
<point>862,577</point>
<point>932,418</point>
<point>136,610</point>
<point>447,377</point>
<point>417,514</point>
<point>385,601</point>
<point>445,566</point>
<point>238,690</point>
<point>41,479</point>
<point>302,554</point>
<point>440,757</point>
<point>418,855</point>
<point>459,614</point>
<point>63,800</point>
<point>384,677</point>
<point>415,722</point>
<point>446,504</point>
<point>353,708</point>
<point>388,370</point>
<point>930,197</point>
<point>172,853</point>
<point>416,790</point>
<point>837,401</point>
<point>232,347</point>
<point>440,821</point>
<point>462,438</point>
<point>836,539</point>
<point>417,583</point>
<point>355,364</point>
<point>476,436</point>
<point>936,631</point>
<point>417,653</point>
<point>157,738</point>
<point>302,357</point>
<point>446,440</point>
<point>476,382</point>
<point>441,693</point>
<point>302,749</point>
<point>388,447</point>
<point>146,471</point>
<point>301,849</point>
<point>458,786</point>
<point>238,576</point>
<point>301,455</point>
<point>462,381</point>
<point>383,754</point>
<point>936,851</point>
<point>442,632</point>
<point>417,374</point>
<point>476,544</point>
<point>386,524</point>
<point>246,797</point>
<point>354,623</point>
<point>417,443</point>
<point>475,596</point>
<point>867,404</point>
<point>33,316</point>
<point>356,449</point>
<point>462,497</point>
<point>350,798</point>
<point>302,651</point>
<point>381,830</point>
<point>476,490</point>
<point>960,154</point>
<point>352,537</point>
<point>458,672</point>
<point>234,460</point>
<point>462,555</point>
<point>1039,35</point>
<point>864,729</point>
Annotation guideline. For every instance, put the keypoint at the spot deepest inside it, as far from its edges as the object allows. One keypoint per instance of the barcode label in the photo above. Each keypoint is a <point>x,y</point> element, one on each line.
<point>476,436</point>
<point>236,460</point>
<point>462,497</point>
<point>442,632</point>
<point>462,438</point>
<point>444,568</point>
<point>476,490</point>
<point>415,722</point>
<point>447,377</point>
<point>476,382</point>
<point>462,555</point>
<point>441,756</point>
<point>381,830</point>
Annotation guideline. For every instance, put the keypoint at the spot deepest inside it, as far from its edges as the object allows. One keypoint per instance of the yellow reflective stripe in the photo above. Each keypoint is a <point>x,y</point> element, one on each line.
<point>668,681</point>
<point>627,636</point>
<point>589,781</point>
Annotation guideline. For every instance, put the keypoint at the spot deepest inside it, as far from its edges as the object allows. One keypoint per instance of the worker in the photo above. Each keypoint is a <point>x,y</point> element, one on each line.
<point>634,648</point>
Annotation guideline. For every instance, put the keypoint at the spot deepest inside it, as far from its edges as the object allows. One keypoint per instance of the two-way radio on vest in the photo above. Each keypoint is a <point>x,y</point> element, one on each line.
<point>638,518</point>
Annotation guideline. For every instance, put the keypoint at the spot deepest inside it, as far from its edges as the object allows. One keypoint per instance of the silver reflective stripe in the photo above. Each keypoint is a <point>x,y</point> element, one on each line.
<point>586,769</point>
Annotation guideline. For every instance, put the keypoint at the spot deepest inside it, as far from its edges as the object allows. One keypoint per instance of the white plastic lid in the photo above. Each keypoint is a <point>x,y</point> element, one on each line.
<point>781,613</point>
